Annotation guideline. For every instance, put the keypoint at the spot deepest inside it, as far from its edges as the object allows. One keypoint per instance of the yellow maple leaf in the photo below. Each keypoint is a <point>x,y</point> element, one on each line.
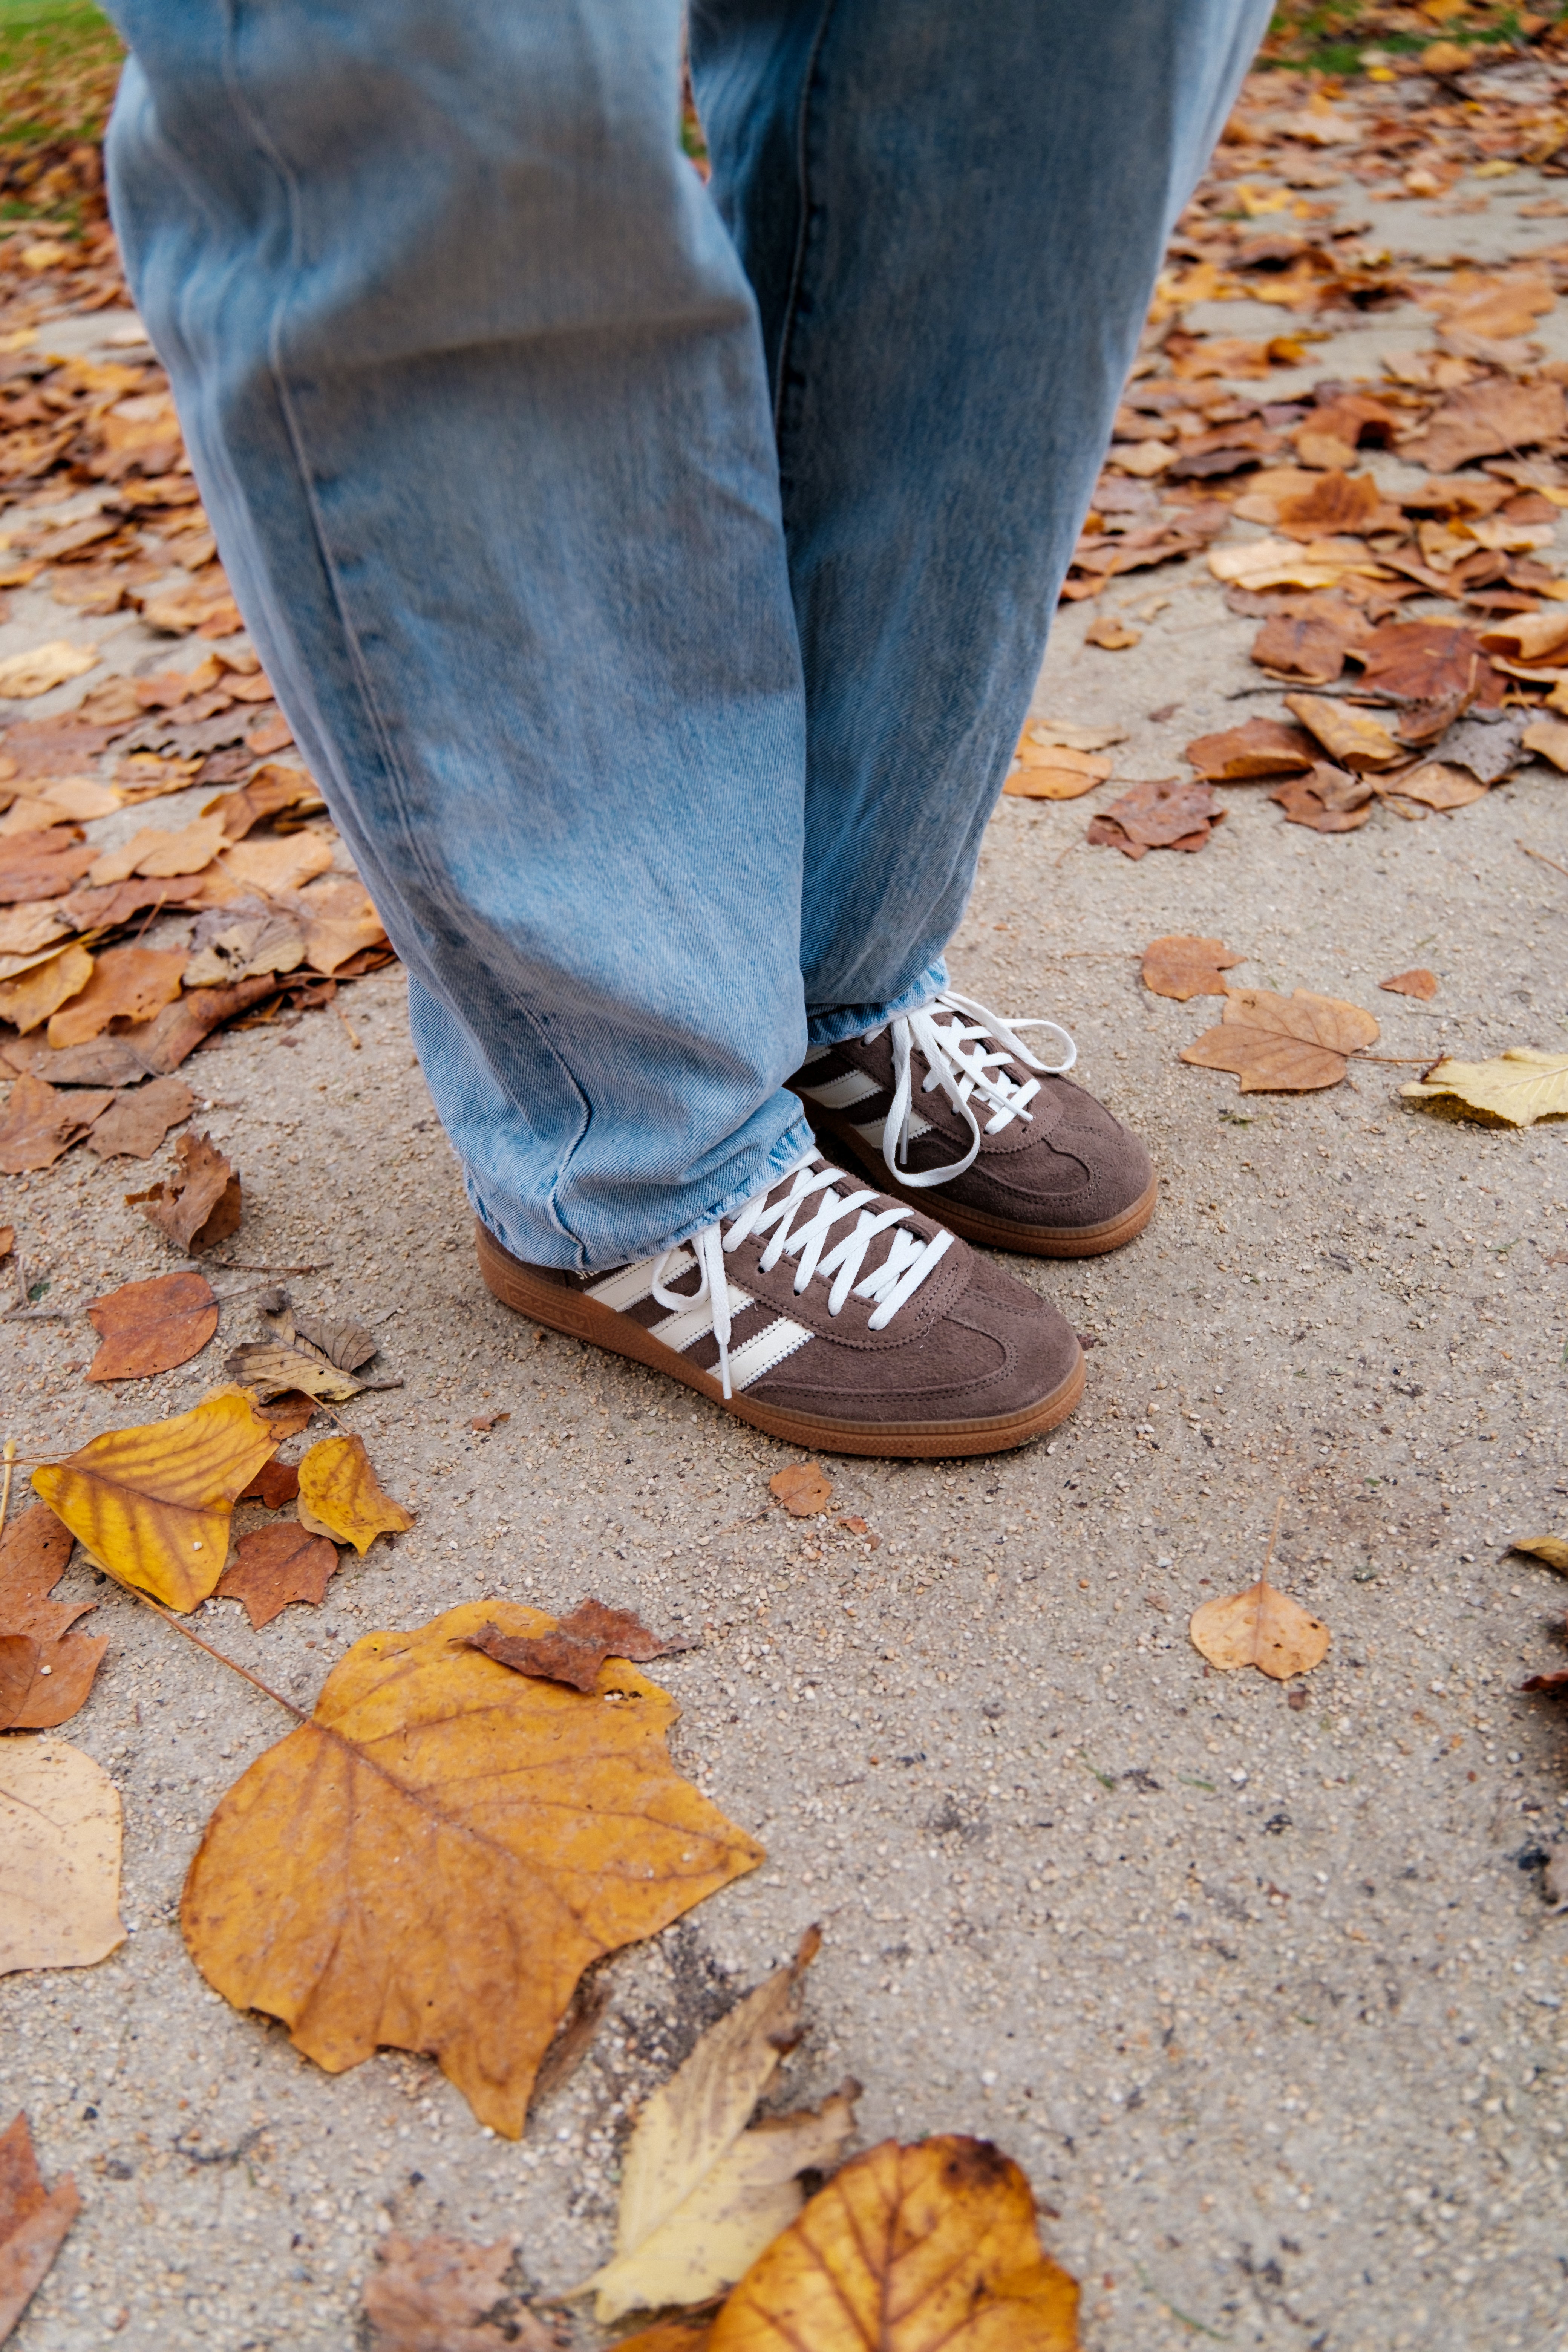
<point>1515,1091</point>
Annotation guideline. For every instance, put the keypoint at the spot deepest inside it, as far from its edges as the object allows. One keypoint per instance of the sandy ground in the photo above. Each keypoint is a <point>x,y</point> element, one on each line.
<point>1266,1999</point>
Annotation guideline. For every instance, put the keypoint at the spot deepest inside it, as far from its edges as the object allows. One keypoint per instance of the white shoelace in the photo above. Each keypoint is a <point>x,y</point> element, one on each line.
<point>957,1063</point>
<point>891,1285</point>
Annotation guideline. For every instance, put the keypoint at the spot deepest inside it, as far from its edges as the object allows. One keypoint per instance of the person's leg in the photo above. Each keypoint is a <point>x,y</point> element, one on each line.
<point>474,389</point>
<point>953,217</point>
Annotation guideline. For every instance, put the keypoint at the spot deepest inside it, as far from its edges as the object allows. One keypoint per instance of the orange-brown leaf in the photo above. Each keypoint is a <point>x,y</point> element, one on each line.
<point>1283,1044</point>
<point>1183,967</point>
<point>1417,982</point>
<point>138,1119</point>
<point>433,1858</point>
<point>48,1677</point>
<point>274,1565</point>
<point>1263,747</point>
<point>803,1488</point>
<point>152,1503</point>
<point>130,983</point>
<point>907,2249</point>
<point>1351,737</point>
<point>1261,1627</point>
<point>578,1647</point>
<point>41,1122</point>
<point>441,2292</point>
<point>152,1326</point>
<point>200,1202</point>
<point>33,2221</point>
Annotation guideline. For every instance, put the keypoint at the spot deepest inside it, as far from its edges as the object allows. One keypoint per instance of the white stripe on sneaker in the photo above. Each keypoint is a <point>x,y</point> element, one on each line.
<point>633,1283</point>
<point>873,1129</point>
<point>838,1093</point>
<point>767,1350</point>
<point>683,1330</point>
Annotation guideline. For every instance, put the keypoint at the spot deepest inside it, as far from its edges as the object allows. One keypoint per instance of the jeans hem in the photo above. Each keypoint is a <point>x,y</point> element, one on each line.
<point>855,1020</point>
<point>760,1169</point>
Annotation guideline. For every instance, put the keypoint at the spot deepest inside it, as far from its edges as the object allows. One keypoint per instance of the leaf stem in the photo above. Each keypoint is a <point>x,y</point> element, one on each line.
<point>5,1488</point>
<point>221,1655</point>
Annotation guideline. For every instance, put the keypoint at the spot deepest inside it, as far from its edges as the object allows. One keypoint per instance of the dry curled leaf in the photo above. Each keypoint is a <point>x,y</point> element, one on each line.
<point>152,1326</point>
<point>1328,799</point>
<point>1041,737</point>
<point>340,1495</point>
<point>136,1122</point>
<point>576,1651</point>
<point>1283,1044</point>
<point>1159,814</point>
<point>341,1339</point>
<point>1263,747</point>
<point>199,1204</point>
<point>277,1565</point>
<point>443,2294</point>
<point>1058,772</point>
<point>433,1860</point>
<point>26,675</point>
<point>1182,967</point>
<point>1111,633</point>
<point>128,984</point>
<point>1261,1627</point>
<point>275,1484</point>
<point>42,1122</point>
<point>1432,785</point>
<point>33,2221</point>
<point>1418,981</point>
<point>803,1488</point>
<point>28,1001</point>
<point>1306,646</point>
<point>905,2249</point>
<point>1552,1550</point>
<point>1352,738</point>
<point>43,1678</point>
<point>59,1856</point>
<point>1483,420</point>
<point>700,2195</point>
<point>271,1369</point>
<point>1515,1091</point>
<point>1548,739</point>
<point>152,1503</point>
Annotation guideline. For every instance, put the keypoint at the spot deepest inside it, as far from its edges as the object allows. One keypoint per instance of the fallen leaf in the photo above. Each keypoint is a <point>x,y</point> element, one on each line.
<point>152,1503</point>
<point>33,2221</point>
<point>1262,1628</point>
<point>340,1495</point>
<point>1485,420</point>
<point>275,1484</point>
<point>26,675</point>
<point>433,1858</point>
<point>1160,815</point>
<point>1112,633</point>
<point>1514,1090</point>
<point>286,1416</point>
<point>1548,737</point>
<point>60,1857</point>
<point>199,1204</point>
<point>1284,1045</point>
<point>1183,967</point>
<point>152,1326</point>
<point>7,1241</point>
<point>271,735</point>
<point>908,2248</point>
<point>1304,646</point>
<point>1041,737</point>
<point>1435,785</point>
<point>1058,772</point>
<point>269,792</point>
<point>267,942</point>
<point>1551,1549</point>
<point>1263,747</point>
<point>576,1651</point>
<point>23,932</point>
<point>128,984</point>
<point>36,866</point>
<point>670,2336</point>
<point>157,853</point>
<point>341,1339</point>
<point>28,1002</point>
<point>271,1368</point>
<point>803,1488</point>
<point>275,867</point>
<point>702,2196</point>
<point>1532,637</point>
<point>1491,749</point>
<point>41,1123</point>
<point>1416,982</point>
<point>1338,502</point>
<point>1353,738</point>
<point>274,1565</point>
<point>1328,799</point>
<point>485,1421</point>
<point>136,1122</point>
<point>442,2294</point>
<point>49,1677</point>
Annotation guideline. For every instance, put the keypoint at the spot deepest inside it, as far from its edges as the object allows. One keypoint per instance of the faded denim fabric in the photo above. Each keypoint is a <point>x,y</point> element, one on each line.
<point>655,577</point>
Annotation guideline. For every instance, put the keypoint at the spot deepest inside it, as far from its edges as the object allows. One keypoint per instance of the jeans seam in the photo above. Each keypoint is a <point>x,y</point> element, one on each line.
<point>803,164</point>
<point>361,676</point>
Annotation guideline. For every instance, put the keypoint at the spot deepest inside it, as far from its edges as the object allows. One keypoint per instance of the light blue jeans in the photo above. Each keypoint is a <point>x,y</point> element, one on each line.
<point>654,575</point>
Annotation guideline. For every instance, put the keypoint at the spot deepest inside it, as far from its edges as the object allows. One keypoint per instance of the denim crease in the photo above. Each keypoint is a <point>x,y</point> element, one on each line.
<point>655,577</point>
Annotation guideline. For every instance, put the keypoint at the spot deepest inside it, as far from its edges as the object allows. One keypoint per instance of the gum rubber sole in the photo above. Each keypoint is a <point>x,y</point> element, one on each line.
<point>974,1225</point>
<point>578,1317</point>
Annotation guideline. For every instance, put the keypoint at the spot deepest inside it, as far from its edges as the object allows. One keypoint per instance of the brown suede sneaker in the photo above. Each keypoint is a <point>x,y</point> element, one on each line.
<point>1050,1173</point>
<point>829,1316</point>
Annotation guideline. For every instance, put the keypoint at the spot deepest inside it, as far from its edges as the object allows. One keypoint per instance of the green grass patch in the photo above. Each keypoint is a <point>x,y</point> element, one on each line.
<point>59,62</point>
